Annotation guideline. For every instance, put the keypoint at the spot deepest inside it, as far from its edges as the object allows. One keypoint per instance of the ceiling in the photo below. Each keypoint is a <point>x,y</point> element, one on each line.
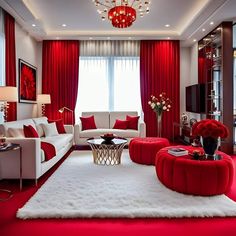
<point>187,19</point>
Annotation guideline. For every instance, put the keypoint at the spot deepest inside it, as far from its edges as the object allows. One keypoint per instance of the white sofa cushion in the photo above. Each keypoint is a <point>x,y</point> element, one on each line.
<point>50,129</point>
<point>15,124</point>
<point>127,133</point>
<point>120,115</point>
<point>58,141</point>
<point>101,118</point>
<point>16,132</point>
<point>38,122</point>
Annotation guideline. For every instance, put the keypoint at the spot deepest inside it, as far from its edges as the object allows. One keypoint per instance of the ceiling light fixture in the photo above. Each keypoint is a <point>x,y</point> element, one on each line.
<point>194,40</point>
<point>33,25</point>
<point>63,25</point>
<point>212,23</point>
<point>122,13</point>
<point>167,25</point>
<point>203,30</point>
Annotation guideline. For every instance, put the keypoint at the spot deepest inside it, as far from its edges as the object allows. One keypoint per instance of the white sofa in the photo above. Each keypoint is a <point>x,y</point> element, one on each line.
<point>33,159</point>
<point>104,122</point>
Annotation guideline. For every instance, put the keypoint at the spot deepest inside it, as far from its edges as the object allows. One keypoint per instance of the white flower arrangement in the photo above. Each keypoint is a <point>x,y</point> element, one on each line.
<point>160,104</point>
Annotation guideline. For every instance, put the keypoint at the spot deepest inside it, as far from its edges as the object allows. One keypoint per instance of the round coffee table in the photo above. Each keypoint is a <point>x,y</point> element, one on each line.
<point>107,153</point>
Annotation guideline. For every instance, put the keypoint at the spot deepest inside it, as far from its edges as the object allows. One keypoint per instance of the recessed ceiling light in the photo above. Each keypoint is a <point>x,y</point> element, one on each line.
<point>194,40</point>
<point>108,38</point>
<point>167,25</point>
<point>212,23</point>
<point>203,30</point>
<point>168,37</point>
<point>33,25</point>
<point>63,25</point>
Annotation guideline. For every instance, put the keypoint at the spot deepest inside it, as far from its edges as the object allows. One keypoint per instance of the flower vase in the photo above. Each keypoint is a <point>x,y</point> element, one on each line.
<point>210,146</point>
<point>159,124</point>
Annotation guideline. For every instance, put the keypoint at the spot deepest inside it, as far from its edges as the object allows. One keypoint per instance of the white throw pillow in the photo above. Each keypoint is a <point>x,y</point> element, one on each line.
<point>16,132</point>
<point>40,130</point>
<point>50,129</point>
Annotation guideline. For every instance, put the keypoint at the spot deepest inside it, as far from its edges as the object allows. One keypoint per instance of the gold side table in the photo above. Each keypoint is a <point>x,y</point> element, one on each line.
<point>8,148</point>
<point>107,153</point>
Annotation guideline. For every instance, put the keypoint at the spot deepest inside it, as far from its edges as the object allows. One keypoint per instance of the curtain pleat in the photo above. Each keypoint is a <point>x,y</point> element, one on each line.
<point>10,61</point>
<point>60,77</point>
<point>160,72</point>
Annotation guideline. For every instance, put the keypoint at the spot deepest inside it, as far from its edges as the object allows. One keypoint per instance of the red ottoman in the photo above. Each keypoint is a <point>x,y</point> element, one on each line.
<point>185,175</point>
<point>144,150</point>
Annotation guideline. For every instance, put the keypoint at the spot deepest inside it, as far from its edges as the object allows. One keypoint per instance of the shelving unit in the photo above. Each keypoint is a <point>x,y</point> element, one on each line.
<point>216,55</point>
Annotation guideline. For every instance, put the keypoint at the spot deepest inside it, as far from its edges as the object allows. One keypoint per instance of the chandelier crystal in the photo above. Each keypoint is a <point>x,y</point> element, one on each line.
<point>122,13</point>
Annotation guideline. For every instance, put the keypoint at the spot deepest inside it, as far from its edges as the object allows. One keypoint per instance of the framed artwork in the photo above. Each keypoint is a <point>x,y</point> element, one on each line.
<point>27,82</point>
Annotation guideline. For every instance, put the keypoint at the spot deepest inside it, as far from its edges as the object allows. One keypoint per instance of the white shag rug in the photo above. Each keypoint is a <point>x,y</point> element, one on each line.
<point>81,189</point>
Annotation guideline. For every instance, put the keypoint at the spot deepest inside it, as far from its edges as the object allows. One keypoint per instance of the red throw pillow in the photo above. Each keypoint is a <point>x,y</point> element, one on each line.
<point>133,122</point>
<point>121,124</point>
<point>59,125</point>
<point>30,132</point>
<point>88,123</point>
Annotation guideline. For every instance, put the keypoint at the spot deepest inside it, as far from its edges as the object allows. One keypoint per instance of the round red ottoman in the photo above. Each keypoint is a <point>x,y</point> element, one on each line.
<point>144,150</point>
<point>186,175</point>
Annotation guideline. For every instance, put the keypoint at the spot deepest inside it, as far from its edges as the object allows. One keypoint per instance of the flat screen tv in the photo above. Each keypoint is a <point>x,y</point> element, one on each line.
<point>195,98</point>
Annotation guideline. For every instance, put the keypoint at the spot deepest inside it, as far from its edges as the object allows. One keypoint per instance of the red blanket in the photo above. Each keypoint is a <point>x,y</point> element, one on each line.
<point>49,150</point>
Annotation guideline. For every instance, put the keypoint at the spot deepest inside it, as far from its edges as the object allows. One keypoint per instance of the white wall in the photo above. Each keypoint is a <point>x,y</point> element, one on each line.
<point>30,51</point>
<point>188,74</point>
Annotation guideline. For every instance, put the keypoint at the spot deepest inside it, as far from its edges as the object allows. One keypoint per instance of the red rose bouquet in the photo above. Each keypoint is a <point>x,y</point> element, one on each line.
<point>210,128</point>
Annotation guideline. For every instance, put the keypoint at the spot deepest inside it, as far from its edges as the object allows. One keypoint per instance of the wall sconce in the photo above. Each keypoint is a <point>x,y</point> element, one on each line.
<point>7,94</point>
<point>43,99</point>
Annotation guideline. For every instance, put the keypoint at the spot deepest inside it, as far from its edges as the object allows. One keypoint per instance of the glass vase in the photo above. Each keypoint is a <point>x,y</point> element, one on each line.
<point>210,146</point>
<point>159,124</point>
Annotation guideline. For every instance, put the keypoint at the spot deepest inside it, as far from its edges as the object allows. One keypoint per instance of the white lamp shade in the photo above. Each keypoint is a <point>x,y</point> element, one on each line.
<point>8,94</point>
<point>44,98</point>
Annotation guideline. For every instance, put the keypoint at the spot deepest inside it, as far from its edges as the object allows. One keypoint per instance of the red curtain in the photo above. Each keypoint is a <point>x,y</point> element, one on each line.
<point>10,61</point>
<point>60,77</point>
<point>160,72</point>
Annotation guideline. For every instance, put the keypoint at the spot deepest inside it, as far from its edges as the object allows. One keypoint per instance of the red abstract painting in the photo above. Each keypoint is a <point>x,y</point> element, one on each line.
<point>27,82</point>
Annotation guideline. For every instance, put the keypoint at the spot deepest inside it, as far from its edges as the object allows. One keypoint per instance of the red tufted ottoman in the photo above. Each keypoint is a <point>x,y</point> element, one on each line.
<point>144,150</point>
<point>195,177</point>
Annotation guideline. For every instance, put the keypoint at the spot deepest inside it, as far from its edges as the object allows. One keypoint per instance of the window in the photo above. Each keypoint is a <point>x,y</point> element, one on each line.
<point>2,49</point>
<point>109,83</point>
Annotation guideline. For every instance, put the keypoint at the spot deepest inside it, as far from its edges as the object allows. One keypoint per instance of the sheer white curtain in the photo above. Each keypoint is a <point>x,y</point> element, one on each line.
<point>93,84</point>
<point>2,49</point>
<point>108,76</point>
<point>127,84</point>
<point>2,55</point>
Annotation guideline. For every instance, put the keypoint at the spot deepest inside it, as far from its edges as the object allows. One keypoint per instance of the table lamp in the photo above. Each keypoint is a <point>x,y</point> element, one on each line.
<point>43,99</point>
<point>7,94</point>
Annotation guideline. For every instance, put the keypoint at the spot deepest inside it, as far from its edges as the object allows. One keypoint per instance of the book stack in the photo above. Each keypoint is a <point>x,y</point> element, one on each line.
<point>178,151</point>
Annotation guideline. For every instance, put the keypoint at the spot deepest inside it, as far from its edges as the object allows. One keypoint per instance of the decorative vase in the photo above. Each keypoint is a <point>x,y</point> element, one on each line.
<point>159,124</point>
<point>210,146</point>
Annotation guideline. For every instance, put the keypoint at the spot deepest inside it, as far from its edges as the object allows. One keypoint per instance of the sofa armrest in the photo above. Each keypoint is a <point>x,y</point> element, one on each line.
<point>31,156</point>
<point>77,130</point>
<point>69,129</point>
<point>142,128</point>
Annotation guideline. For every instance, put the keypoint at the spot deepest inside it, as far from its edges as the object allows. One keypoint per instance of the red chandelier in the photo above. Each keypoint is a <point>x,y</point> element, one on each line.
<point>122,13</point>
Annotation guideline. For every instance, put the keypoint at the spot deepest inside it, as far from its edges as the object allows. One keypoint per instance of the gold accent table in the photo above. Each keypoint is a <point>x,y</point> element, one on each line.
<point>107,153</point>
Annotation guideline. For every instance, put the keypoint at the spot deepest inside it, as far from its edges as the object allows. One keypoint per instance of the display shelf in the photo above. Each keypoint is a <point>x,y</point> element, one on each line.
<point>215,53</point>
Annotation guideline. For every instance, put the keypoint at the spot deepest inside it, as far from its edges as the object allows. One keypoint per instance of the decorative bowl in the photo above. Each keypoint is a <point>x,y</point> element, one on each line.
<point>108,138</point>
